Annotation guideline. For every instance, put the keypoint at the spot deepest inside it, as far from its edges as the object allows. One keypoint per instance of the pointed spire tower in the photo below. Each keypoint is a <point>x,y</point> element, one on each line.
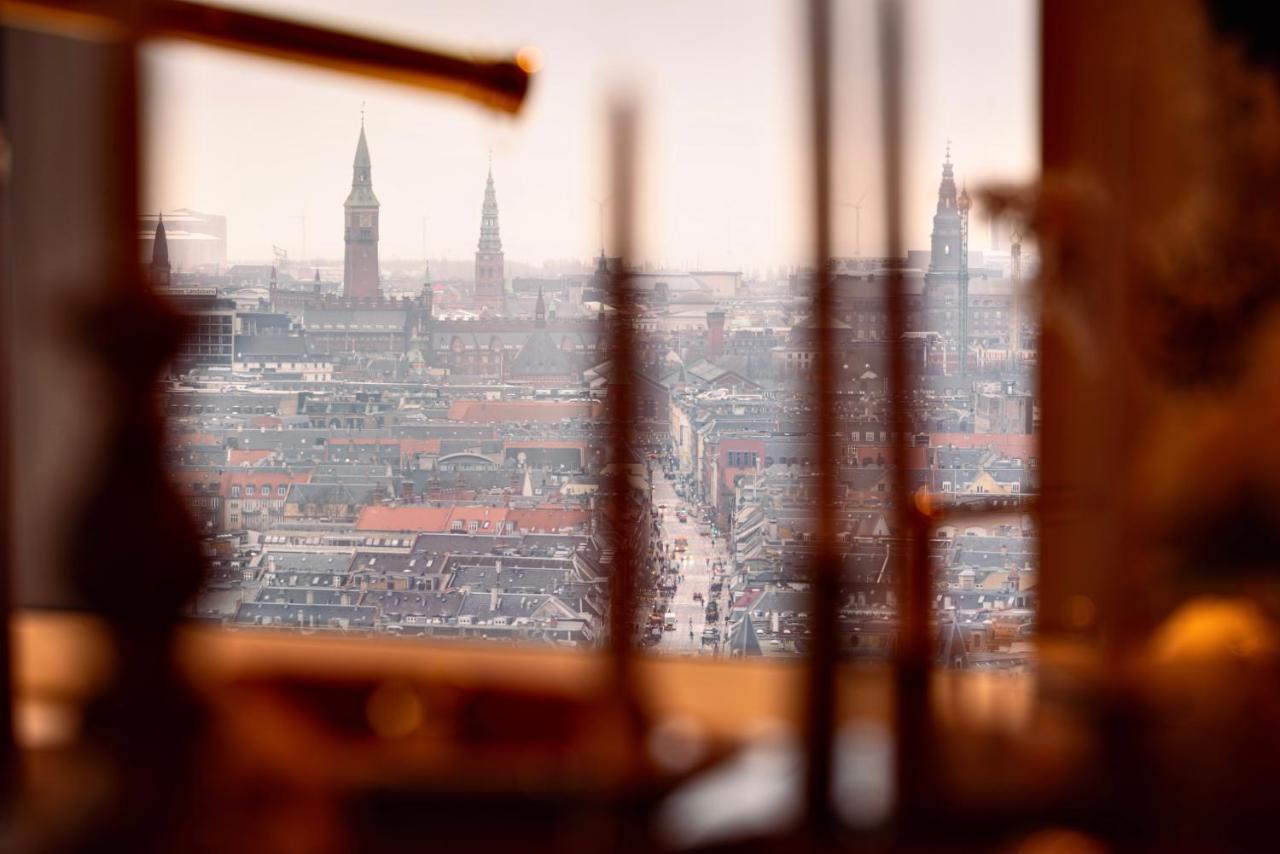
<point>944,255</point>
<point>490,274</point>
<point>160,270</point>
<point>540,311</point>
<point>360,271</point>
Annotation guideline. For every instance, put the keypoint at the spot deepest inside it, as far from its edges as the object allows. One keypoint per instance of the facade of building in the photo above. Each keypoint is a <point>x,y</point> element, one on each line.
<point>280,357</point>
<point>360,269</point>
<point>211,340</point>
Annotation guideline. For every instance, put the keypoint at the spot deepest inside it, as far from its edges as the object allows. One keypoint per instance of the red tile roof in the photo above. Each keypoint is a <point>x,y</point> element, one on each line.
<point>238,457</point>
<point>489,520</point>
<point>185,440</point>
<point>548,519</point>
<point>347,440</point>
<point>405,518</point>
<point>409,447</point>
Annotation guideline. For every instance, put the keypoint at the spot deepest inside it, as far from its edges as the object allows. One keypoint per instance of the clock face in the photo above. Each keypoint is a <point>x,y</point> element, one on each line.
<point>366,220</point>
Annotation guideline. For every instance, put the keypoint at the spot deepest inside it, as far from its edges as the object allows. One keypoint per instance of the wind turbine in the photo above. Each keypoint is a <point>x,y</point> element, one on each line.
<point>857,223</point>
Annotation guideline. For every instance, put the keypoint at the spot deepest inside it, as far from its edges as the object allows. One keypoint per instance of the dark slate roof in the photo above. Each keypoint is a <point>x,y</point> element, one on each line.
<point>512,605</point>
<point>784,602</point>
<point>354,320</point>
<point>308,615</point>
<point>350,472</point>
<point>515,579</point>
<point>301,595</point>
<point>540,357</point>
<point>350,493</point>
<point>413,564</point>
<point>743,639</point>
<point>305,563</point>
<point>271,345</point>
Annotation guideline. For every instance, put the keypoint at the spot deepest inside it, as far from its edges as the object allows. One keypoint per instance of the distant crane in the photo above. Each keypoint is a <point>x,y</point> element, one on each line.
<point>600,203</point>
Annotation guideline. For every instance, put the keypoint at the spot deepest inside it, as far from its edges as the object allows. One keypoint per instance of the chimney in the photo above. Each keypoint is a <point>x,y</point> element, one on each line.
<point>715,333</point>
<point>493,599</point>
<point>378,494</point>
<point>406,490</point>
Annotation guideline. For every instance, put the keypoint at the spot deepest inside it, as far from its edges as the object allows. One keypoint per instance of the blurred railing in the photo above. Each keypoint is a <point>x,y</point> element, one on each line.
<point>502,85</point>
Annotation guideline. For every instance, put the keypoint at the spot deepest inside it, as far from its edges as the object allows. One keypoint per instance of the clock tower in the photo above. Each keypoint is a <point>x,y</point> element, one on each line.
<point>360,271</point>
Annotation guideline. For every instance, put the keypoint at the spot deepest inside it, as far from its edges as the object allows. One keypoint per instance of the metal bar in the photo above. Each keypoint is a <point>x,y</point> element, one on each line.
<point>910,566</point>
<point>624,522</point>
<point>8,754</point>
<point>498,84</point>
<point>826,566</point>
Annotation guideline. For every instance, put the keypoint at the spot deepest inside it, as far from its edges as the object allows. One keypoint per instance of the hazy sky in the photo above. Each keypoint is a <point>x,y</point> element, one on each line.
<point>724,176</point>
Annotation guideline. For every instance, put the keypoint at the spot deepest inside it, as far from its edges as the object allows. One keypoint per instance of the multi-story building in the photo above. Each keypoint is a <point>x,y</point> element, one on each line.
<point>211,340</point>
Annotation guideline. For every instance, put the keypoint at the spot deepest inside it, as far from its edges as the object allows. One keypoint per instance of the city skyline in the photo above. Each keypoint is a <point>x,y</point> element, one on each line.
<point>724,178</point>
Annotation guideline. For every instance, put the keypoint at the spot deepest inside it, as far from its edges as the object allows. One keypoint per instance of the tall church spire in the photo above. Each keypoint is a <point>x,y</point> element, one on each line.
<point>360,272</point>
<point>490,290</point>
<point>160,269</point>
<point>490,238</point>
<point>540,311</point>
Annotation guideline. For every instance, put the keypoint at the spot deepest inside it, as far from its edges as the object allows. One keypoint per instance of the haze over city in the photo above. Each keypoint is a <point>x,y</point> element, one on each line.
<point>724,172</point>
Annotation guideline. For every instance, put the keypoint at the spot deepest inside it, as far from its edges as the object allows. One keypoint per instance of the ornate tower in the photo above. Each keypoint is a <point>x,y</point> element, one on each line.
<point>160,270</point>
<point>360,272</point>
<point>944,255</point>
<point>490,286</point>
<point>540,312</point>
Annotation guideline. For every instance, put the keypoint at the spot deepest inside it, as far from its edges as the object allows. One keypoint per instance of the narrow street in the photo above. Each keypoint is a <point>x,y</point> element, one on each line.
<point>696,568</point>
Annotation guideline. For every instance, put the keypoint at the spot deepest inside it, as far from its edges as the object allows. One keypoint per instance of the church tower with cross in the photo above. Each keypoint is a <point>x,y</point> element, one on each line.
<point>944,251</point>
<point>490,274</point>
<point>360,269</point>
